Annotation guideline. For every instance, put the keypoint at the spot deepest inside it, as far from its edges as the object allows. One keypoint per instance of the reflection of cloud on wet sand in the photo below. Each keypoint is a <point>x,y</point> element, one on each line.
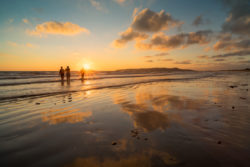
<point>66,115</point>
<point>146,158</point>
<point>149,110</point>
<point>144,118</point>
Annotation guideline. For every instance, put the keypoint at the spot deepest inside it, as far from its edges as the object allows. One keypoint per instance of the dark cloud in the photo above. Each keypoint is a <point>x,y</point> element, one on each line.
<point>183,62</point>
<point>230,44</point>
<point>199,20</point>
<point>233,54</point>
<point>238,20</point>
<point>129,35</point>
<point>150,21</point>
<point>161,41</point>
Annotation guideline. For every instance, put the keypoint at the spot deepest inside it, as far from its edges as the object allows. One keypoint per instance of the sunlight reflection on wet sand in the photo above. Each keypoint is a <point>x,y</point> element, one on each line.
<point>156,124</point>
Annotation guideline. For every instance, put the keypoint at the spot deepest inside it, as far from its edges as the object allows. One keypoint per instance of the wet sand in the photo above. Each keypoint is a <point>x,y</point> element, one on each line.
<point>203,122</point>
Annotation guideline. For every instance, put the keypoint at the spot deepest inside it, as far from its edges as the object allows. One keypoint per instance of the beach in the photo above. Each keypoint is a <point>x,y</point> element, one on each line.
<point>159,119</point>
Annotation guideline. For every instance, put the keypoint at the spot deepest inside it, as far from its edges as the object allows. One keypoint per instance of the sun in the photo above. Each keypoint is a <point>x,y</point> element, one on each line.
<point>86,66</point>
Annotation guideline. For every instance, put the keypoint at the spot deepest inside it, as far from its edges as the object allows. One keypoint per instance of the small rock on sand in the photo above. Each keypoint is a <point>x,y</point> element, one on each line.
<point>114,143</point>
<point>145,138</point>
<point>233,86</point>
<point>38,103</point>
<point>219,142</point>
<point>233,107</point>
<point>243,98</point>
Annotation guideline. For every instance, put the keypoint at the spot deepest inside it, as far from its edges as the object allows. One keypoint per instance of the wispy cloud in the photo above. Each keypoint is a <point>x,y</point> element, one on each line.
<point>38,10</point>
<point>199,20</point>
<point>58,28</point>
<point>26,21</point>
<point>203,57</point>
<point>29,45</point>
<point>161,54</point>
<point>12,43</point>
<point>98,5</point>
<point>183,62</point>
<point>165,59</point>
<point>120,1</point>
<point>10,20</point>
<point>233,54</point>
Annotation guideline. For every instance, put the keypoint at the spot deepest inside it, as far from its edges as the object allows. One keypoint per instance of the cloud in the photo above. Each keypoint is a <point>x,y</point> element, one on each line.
<point>161,54</point>
<point>144,22</point>
<point>120,1</point>
<point>232,44</point>
<point>150,21</point>
<point>148,56</point>
<point>29,45</point>
<point>244,62</point>
<point>12,43</point>
<point>127,36</point>
<point>10,20</point>
<point>38,10</point>
<point>199,20</point>
<point>238,20</point>
<point>203,57</point>
<point>58,28</point>
<point>219,60</point>
<point>233,54</point>
<point>26,21</point>
<point>183,62</point>
<point>97,5</point>
<point>161,41</point>
<point>135,11</point>
<point>165,59</point>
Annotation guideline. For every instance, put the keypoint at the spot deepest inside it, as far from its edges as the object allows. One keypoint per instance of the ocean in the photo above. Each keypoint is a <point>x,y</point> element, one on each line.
<point>117,119</point>
<point>24,84</point>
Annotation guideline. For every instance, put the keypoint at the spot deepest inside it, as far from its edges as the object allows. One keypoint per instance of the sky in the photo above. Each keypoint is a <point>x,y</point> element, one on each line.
<point>43,35</point>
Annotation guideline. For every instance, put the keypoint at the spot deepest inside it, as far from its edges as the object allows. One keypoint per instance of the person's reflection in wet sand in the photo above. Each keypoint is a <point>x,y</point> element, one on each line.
<point>69,98</point>
<point>68,82</point>
<point>62,82</point>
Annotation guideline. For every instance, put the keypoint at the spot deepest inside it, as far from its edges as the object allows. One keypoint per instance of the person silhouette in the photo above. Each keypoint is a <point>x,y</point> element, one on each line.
<point>82,71</point>
<point>68,73</point>
<point>61,72</point>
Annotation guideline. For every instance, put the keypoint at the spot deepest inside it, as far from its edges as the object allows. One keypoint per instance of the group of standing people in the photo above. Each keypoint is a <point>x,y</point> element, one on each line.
<point>67,72</point>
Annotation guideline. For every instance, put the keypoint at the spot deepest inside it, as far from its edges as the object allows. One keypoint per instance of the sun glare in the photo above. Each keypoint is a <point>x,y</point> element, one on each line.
<point>86,66</point>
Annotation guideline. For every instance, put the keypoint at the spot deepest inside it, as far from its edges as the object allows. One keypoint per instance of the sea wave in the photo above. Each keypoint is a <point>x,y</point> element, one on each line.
<point>113,85</point>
